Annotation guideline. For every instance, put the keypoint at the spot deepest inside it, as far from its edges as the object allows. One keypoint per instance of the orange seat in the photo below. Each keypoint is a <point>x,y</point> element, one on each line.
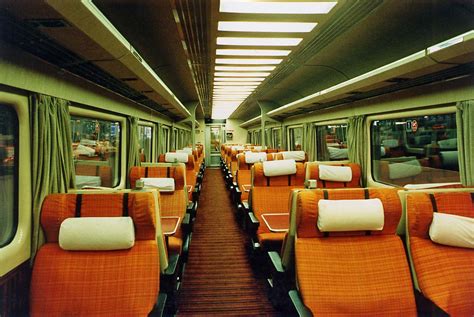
<point>191,175</point>
<point>312,172</point>
<point>92,283</point>
<point>445,274</point>
<point>352,273</point>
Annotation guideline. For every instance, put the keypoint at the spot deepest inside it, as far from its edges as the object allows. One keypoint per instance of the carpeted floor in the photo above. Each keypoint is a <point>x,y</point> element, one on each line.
<point>218,279</point>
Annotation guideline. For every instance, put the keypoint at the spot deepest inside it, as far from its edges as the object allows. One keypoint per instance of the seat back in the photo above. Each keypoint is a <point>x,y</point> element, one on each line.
<point>444,274</point>
<point>369,268</point>
<point>312,172</point>
<point>96,282</point>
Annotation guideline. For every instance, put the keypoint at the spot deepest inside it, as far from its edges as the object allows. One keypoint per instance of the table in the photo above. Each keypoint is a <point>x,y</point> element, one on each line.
<point>277,222</point>
<point>169,225</point>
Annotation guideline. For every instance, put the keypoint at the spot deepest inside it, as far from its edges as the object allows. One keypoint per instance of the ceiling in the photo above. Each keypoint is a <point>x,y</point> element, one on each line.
<point>177,40</point>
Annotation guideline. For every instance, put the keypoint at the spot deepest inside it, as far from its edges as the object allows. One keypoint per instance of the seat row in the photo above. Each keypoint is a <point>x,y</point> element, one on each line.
<point>104,274</point>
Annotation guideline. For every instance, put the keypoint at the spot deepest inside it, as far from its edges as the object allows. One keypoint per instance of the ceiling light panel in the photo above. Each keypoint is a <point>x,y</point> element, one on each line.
<point>236,83</point>
<point>241,79</point>
<point>245,52</point>
<point>249,61</point>
<point>258,41</point>
<point>234,88</point>
<point>236,6</point>
<point>245,68</point>
<point>243,74</point>
<point>280,27</point>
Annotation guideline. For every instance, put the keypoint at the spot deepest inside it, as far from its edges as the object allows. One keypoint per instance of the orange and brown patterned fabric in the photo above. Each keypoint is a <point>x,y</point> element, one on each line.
<point>351,273</point>
<point>176,172</point>
<point>242,165</point>
<point>104,172</point>
<point>312,172</point>
<point>445,274</point>
<point>191,175</point>
<point>92,283</point>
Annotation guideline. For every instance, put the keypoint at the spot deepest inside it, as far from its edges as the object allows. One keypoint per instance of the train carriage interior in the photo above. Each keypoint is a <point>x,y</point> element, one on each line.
<point>236,158</point>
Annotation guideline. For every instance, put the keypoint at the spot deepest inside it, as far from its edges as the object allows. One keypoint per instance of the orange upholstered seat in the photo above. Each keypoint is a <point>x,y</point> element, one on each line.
<point>352,273</point>
<point>445,274</point>
<point>272,195</point>
<point>191,175</point>
<point>244,176</point>
<point>312,172</point>
<point>92,283</point>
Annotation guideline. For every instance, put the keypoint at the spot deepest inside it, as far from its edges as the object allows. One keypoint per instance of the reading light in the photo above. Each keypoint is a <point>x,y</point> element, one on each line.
<point>247,52</point>
<point>259,41</point>
<point>235,6</point>
<point>281,27</point>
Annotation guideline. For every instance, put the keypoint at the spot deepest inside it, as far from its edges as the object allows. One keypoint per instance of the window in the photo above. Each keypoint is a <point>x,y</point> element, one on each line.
<point>276,138</point>
<point>8,174</point>
<point>295,138</point>
<point>166,139</point>
<point>145,137</point>
<point>332,142</point>
<point>96,150</point>
<point>415,150</point>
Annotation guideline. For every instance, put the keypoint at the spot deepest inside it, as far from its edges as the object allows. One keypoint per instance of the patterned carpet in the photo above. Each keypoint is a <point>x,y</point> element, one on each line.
<point>218,279</point>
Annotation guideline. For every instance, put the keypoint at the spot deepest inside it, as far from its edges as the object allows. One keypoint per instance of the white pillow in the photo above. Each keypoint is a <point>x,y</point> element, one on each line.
<point>186,150</point>
<point>404,169</point>
<point>97,233</point>
<point>335,173</point>
<point>338,154</point>
<point>162,183</point>
<point>452,230</point>
<point>237,147</point>
<point>251,157</point>
<point>294,155</point>
<point>84,150</point>
<point>350,215</point>
<point>280,167</point>
<point>176,157</point>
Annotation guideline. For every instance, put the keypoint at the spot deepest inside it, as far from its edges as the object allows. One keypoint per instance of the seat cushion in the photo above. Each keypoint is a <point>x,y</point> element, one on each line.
<point>89,283</point>
<point>367,275</point>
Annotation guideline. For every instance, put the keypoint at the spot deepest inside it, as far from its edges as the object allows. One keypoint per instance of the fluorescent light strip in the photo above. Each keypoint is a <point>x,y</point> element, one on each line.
<point>259,41</point>
<point>235,6</point>
<point>236,83</point>
<point>245,68</point>
<point>279,27</point>
<point>252,52</point>
<point>248,79</point>
<point>234,88</point>
<point>243,74</point>
<point>249,61</point>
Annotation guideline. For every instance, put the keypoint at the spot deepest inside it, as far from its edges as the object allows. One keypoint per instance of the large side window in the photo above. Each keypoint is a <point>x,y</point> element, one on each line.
<point>415,150</point>
<point>8,174</point>
<point>166,139</point>
<point>276,138</point>
<point>332,142</point>
<point>145,138</point>
<point>295,138</point>
<point>96,149</point>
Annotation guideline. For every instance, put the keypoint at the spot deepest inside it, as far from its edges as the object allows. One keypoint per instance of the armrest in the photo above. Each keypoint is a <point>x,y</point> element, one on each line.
<point>246,207</point>
<point>276,261</point>
<point>237,195</point>
<point>159,307</point>
<point>298,305</point>
<point>252,224</point>
<point>187,224</point>
<point>425,307</point>
<point>173,261</point>
<point>192,209</point>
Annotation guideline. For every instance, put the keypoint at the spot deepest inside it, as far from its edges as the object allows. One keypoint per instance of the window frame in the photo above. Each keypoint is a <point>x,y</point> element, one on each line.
<point>435,110</point>
<point>167,130</point>
<point>275,131</point>
<point>95,114</point>
<point>288,137</point>
<point>154,137</point>
<point>18,250</point>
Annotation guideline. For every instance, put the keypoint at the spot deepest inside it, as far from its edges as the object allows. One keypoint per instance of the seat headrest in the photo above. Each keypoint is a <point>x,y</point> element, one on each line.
<point>298,156</point>
<point>251,157</point>
<point>176,157</point>
<point>279,168</point>
<point>313,172</point>
<point>308,209</point>
<point>335,173</point>
<point>260,179</point>
<point>162,183</point>
<point>186,150</point>
<point>404,169</point>
<point>140,206</point>
<point>167,170</point>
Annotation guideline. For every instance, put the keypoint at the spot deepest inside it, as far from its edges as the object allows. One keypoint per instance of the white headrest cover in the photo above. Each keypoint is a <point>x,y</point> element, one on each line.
<point>84,150</point>
<point>253,157</point>
<point>294,155</point>
<point>278,168</point>
<point>338,154</point>
<point>237,147</point>
<point>97,233</point>
<point>176,157</point>
<point>163,184</point>
<point>452,230</point>
<point>350,215</point>
<point>335,173</point>
<point>186,150</point>
<point>404,169</point>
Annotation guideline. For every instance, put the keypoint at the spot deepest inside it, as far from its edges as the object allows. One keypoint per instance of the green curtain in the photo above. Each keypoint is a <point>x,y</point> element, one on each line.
<point>284,141</point>
<point>52,157</point>
<point>133,145</point>
<point>465,134</point>
<point>249,137</point>
<point>173,139</point>
<point>309,140</point>
<point>322,148</point>
<point>268,138</point>
<point>357,145</point>
<point>161,139</point>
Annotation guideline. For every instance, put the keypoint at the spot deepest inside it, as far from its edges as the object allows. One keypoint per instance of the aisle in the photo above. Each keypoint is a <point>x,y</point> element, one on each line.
<point>218,279</point>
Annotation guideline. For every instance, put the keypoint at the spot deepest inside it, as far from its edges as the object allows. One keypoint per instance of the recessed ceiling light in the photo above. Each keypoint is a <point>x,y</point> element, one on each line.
<point>249,61</point>
<point>234,88</point>
<point>252,52</point>
<point>243,74</point>
<point>237,83</point>
<point>281,27</point>
<point>235,6</point>
<point>245,68</point>
<point>259,41</point>
<point>251,79</point>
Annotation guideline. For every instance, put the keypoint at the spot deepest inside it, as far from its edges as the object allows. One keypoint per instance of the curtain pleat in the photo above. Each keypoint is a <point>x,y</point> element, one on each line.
<point>53,165</point>
<point>284,141</point>
<point>465,136</point>
<point>133,158</point>
<point>322,148</point>
<point>357,144</point>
